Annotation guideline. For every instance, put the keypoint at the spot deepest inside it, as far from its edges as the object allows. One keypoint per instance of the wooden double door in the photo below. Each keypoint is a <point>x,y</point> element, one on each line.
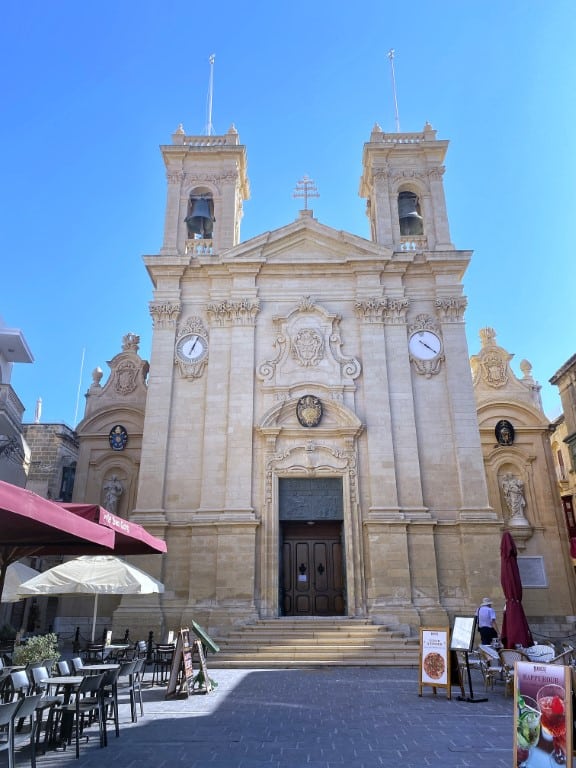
<point>311,569</point>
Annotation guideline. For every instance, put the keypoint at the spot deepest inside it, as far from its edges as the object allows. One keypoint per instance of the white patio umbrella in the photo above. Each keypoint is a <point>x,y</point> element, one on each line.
<point>16,574</point>
<point>92,575</point>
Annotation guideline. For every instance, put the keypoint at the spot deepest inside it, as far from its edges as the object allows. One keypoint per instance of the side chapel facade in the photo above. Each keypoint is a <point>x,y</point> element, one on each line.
<point>306,437</point>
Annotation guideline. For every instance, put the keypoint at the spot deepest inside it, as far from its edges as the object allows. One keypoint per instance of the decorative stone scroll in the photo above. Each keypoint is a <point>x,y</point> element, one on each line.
<point>308,349</point>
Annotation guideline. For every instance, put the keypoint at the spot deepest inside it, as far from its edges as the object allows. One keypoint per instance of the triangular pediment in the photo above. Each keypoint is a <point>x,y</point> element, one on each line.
<point>307,241</point>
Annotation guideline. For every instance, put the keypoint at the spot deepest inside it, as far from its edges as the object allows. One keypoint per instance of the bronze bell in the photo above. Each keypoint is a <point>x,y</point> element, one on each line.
<point>200,220</point>
<point>409,214</point>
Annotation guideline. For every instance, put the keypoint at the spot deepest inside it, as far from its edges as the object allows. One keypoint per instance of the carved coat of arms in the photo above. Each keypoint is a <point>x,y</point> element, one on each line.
<point>309,411</point>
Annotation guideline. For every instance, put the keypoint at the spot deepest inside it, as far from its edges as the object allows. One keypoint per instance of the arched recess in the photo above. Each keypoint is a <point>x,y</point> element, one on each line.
<point>410,216</point>
<point>518,463</point>
<point>286,449</point>
<point>98,462</point>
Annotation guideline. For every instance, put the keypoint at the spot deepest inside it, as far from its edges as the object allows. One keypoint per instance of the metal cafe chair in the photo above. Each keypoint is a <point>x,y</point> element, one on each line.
<point>110,700</point>
<point>8,714</point>
<point>63,668</point>
<point>88,701</point>
<point>163,655</point>
<point>137,680</point>
<point>31,708</point>
<point>126,685</point>
<point>508,656</point>
<point>46,702</point>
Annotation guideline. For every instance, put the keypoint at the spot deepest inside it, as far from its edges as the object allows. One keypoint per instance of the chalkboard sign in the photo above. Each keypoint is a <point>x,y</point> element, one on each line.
<point>182,671</point>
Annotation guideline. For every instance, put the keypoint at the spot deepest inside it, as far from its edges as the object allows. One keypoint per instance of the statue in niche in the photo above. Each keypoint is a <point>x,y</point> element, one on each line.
<point>513,489</point>
<point>113,489</point>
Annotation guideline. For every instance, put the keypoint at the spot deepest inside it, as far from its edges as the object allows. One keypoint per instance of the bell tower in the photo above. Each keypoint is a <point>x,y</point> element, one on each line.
<point>402,182</point>
<point>207,185</point>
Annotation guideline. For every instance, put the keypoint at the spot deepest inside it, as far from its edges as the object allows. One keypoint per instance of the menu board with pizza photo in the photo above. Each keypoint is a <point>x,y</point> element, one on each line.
<point>434,659</point>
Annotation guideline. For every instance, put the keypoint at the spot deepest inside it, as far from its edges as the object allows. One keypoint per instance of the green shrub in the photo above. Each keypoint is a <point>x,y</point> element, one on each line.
<point>37,648</point>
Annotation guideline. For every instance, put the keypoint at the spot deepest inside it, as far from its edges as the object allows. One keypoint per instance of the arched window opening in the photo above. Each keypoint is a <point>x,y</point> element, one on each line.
<point>200,217</point>
<point>411,222</point>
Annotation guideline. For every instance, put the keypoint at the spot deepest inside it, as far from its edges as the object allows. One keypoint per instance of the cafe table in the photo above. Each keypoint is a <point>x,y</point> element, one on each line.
<point>69,683</point>
<point>114,649</point>
<point>89,669</point>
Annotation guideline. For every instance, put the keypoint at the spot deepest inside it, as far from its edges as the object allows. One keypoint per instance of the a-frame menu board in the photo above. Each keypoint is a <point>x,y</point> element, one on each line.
<point>181,681</point>
<point>181,671</point>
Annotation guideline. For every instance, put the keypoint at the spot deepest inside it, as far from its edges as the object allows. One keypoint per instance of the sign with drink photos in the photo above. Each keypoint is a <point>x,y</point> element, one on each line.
<point>542,715</point>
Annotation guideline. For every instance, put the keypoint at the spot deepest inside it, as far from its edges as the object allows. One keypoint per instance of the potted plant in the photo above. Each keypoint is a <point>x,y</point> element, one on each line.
<point>38,648</point>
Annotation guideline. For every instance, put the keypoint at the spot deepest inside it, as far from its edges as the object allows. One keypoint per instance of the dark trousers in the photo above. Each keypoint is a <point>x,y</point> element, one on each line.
<point>487,634</point>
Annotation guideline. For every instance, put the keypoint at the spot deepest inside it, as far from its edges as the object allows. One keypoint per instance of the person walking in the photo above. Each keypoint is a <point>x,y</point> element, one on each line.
<point>487,625</point>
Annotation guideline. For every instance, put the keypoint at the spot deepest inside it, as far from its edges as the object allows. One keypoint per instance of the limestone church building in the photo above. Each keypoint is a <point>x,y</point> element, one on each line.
<point>305,435</point>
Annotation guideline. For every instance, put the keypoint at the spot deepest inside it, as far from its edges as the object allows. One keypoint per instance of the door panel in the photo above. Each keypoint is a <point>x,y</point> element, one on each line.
<point>312,582</point>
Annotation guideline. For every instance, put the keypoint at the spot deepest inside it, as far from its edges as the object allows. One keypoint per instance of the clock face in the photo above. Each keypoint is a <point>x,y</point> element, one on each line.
<point>424,345</point>
<point>191,348</point>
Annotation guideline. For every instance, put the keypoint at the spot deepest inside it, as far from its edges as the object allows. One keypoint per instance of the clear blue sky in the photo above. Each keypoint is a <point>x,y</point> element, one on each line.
<point>90,90</point>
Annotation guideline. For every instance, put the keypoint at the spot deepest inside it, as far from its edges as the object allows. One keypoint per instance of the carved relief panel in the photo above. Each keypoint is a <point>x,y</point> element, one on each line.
<point>308,349</point>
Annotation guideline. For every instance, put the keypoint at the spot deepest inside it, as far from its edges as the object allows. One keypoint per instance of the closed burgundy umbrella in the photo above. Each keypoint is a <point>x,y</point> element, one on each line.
<point>515,629</point>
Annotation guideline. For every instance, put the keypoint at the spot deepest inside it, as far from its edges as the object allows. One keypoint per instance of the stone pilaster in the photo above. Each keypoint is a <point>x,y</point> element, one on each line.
<point>467,446</point>
<point>157,421</point>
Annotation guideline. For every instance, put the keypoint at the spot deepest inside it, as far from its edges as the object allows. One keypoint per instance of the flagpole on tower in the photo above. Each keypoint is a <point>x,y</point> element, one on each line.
<point>209,126</point>
<point>391,57</point>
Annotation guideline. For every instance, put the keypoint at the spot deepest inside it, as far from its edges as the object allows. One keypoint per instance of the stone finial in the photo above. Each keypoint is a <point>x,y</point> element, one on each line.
<point>233,129</point>
<point>526,368</point>
<point>130,342</point>
<point>97,374</point>
<point>178,135</point>
<point>488,337</point>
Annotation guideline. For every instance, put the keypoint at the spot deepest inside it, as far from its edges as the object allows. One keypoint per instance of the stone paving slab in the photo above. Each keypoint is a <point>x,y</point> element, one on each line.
<point>359,717</point>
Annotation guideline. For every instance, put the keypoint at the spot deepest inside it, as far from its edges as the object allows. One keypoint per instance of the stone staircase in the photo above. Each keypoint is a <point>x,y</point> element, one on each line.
<point>318,641</point>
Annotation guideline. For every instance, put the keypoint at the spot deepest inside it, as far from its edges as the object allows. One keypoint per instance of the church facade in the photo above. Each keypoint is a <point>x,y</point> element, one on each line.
<point>306,438</point>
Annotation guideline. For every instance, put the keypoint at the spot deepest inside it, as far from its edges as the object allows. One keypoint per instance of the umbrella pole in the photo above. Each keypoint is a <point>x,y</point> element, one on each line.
<point>94,616</point>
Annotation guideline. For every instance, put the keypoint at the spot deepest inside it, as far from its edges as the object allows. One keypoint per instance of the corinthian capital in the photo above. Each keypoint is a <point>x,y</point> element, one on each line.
<point>164,313</point>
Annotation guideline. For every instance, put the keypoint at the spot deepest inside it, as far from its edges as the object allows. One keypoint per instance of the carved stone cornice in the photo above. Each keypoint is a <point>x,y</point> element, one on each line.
<point>451,308</point>
<point>164,313</point>
<point>240,312</point>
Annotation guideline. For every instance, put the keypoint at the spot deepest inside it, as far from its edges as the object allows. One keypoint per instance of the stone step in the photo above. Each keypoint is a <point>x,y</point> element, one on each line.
<point>310,642</point>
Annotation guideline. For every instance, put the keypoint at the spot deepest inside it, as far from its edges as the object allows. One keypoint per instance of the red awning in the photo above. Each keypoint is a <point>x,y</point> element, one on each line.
<point>130,538</point>
<point>31,526</point>
<point>30,522</point>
